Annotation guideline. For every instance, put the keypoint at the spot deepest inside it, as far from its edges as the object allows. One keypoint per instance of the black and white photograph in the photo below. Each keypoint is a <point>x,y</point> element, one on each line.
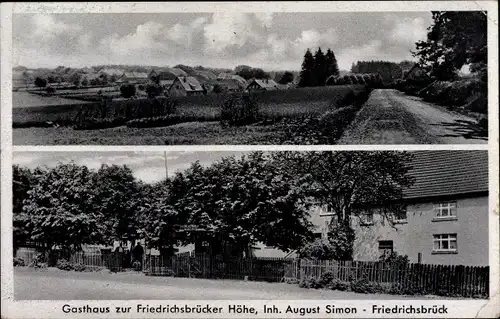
<point>251,225</point>
<point>244,159</point>
<point>261,78</point>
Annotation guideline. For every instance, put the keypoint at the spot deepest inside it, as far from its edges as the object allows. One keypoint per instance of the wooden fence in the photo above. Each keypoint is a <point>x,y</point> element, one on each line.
<point>111,260</point>
<point>216,267</point>
<point>450,280</point>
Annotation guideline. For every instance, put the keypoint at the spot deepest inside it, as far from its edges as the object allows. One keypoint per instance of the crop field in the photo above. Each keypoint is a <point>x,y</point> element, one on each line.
<point>29,100</point>
<point>196,120</point>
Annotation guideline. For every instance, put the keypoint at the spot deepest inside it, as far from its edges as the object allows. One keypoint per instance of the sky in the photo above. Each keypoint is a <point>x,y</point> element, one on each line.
<point>273,41</point>
<point>146,166</point>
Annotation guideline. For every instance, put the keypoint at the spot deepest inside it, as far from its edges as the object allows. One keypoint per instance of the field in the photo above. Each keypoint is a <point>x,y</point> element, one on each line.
<point>29,100</point>
<point>285,115</point>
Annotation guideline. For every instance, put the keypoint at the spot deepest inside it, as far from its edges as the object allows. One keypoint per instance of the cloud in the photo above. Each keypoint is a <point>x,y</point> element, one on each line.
<point>46,27</point>
<point>229,29</point>
<point>408,31</point>
<point>265,18</point>
<point>311,39</point>
<point>369,51</point>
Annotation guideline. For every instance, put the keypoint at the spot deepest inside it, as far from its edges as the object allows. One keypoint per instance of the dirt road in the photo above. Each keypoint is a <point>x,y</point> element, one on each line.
<point>391,117</point>
<point>62,285</point>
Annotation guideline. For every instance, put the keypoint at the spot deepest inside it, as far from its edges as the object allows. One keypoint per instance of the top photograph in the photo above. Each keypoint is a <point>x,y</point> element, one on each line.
<point>239,78</point>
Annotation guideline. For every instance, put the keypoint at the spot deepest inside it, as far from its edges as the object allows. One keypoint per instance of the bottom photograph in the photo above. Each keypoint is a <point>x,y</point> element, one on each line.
<point>250,225</point>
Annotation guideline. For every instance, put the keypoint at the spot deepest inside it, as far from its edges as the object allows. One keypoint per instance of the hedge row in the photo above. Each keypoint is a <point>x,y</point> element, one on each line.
<point>63,264</point>
<point>168,120</point>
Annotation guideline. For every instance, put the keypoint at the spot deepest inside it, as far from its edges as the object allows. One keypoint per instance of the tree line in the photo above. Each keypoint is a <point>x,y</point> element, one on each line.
<point>317,68</point>
<point>231,205</point>
<point>389,71</point>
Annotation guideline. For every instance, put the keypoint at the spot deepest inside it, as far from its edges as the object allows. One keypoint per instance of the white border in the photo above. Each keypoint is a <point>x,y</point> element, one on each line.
<point>476,308</point>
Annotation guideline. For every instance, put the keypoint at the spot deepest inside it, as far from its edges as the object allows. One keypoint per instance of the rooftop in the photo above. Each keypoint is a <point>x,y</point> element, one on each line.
<point>440,173</point>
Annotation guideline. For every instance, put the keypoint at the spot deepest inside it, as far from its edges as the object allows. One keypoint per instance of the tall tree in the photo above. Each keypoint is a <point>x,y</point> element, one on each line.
<point>116,199</point>
<point>60,208</point>
<point>22,182</point>
<point>455,38</point>
<point>40,82</point>
<point>320,68</point>
<point>286,78</point>
<point>349,183</point>
<point>157,219</point>
<point>307,77</point>
<point>332,67</point>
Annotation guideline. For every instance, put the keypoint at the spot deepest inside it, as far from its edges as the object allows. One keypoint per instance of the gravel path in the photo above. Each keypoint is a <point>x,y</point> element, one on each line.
<point>390,117</point>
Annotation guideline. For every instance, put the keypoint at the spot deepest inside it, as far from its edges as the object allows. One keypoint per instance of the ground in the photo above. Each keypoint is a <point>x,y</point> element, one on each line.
<point>391,117</point>
<point>388,117</point>
<point>54,284</point>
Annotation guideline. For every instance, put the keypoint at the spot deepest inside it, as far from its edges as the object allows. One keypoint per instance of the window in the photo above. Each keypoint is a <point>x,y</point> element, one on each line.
<point>367,218</point>
<point>445,243</point>
<point>446,210</point>
<point>400,216</point>
<point>385,247</point>
<point>317,235</point>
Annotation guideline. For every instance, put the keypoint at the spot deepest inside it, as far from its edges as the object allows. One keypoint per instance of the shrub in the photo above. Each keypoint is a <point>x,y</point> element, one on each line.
<point>477,103</point>
<point>50,90</point>
<point>363,285</point>
<point>319,249</point>
<point>153,90</point>
<point>80,267</point>
<point>63,264</point>
<point>19,262</point>
<point>97,123</point>
<point>337,284</point>
<point>326,279</point>
<point>40,261</point>
<point>342,237</point>
<point>127,90</point>
<point>395,260</point>
<point>137,265</point>
<point>239,110</point>
<point>310,282</point>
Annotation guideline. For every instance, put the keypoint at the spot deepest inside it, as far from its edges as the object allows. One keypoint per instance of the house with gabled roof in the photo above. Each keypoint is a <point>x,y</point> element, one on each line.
<point>186,86</point>
<point>133,77</point>
<point>262,85</point>
<point>445,220</point>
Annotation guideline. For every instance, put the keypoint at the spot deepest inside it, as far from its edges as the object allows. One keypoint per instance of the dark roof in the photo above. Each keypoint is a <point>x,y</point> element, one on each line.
<point>441,173</point>
<point>190,83</point>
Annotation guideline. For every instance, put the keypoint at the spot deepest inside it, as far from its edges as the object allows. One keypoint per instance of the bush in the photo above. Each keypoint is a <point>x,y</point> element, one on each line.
<point>337,284</point>
<point>80,267</point>
<point>63,264</point>
<point>127,90</point>
<point>364,286</point>
<point>310,282</point>
<point>137,265</point>
<point>326,279</point>
<point>319,249</point>
<point>239,110</point>
<point>40,261</point>
<point>19,262</point>
<point>395,260</point>
<point>50,90</point>
<point>97,123</point>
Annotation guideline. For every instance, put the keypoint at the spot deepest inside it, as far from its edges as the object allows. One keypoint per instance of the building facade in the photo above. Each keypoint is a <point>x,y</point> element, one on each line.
<point>445,220</point>
<point>186,86</point>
